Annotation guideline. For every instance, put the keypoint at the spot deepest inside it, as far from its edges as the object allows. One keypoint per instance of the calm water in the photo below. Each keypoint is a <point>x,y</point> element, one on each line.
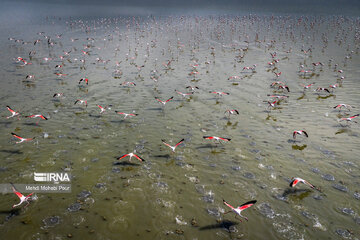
<point>179,195</point>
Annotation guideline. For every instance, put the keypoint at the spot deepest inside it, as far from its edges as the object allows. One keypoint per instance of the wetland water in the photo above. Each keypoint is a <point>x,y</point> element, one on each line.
<point>179,195</point>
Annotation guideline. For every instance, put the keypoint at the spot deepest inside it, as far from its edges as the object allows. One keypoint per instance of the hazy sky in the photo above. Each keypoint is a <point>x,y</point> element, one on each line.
<point>145,7</point>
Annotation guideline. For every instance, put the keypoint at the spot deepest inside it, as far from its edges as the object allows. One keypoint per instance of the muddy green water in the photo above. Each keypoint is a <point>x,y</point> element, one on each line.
<point>179,195</point>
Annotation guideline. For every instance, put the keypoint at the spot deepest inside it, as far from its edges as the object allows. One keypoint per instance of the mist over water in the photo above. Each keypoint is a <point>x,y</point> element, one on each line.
<point>133,53</point>
<point>22,10</point>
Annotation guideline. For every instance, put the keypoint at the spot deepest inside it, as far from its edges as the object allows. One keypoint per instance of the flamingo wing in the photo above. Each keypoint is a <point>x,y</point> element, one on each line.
<point>169,99</point>
<point>139,158</point>
<point>17,193</point>
<point>294,182</point>
<point>122,156</point>
<point>17,136</point>
<point>180,142</point>
<point>247,205</point>
<point>228,204</point>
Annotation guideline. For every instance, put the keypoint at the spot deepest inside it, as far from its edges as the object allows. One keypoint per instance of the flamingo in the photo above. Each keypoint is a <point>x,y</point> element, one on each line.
<point>272,104</point>
<point>184,94</point>
<point>163,102</point>
<point>307,86</point>
<point>58,95</point>
<point>300,132</point>
<point>21,197</point>
<point>103,109</point>
<point>322,89</point>
<point>342,105</point>
<point>127,114</point>
<point>239,209</point>
<point>230,112</point>
<point>284,87</point>
<point>37,115</point>
<point>13,113</point>
<point>21,139</point>
<point>220,93</point>
<point>80,101</point>
<point>85,80</point>
<point>217,138</point>
<point>300,180</point>
<point>131,155</point>
<point>192,88</point>
<point>349,119</point>
<point>173,147</point>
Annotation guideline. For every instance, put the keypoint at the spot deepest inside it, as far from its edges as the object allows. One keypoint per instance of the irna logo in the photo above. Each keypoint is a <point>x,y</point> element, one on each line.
<point>51,177</point>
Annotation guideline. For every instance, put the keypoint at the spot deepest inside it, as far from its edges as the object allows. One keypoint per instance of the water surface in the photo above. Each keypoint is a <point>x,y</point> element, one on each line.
<point>179,195</point>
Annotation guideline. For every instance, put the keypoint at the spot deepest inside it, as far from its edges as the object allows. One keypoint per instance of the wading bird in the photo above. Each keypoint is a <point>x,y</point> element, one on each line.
<point>21,139</point>
<point>126,114</point>
<point>307,86</point>
<point>319,89</point>
<point>342,105</point>
<point>230,112</point>
<point>103,109</point>
<point>131,155</point>
<point>85,80</point>
<point>37,116</point>
<point>239,209</point>
<point>300,132</point>
<point>220,93</point>
<point>192,89</point>
<point>21,197</point>
<point>295,181</point>
<point>13,113</point>
<point>272,104</point>
<point>184,94</point>
<point>349,119</point>
<point>163,102</point>
<point>217,139</point>
<point>173,147</point>
<point>58,95</point>
<point>80,101</point>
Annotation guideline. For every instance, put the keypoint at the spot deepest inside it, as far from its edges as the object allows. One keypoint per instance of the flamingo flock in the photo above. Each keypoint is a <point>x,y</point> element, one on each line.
<point>90,57</point>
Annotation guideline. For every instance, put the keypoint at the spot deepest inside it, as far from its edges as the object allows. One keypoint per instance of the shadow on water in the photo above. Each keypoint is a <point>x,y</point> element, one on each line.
<point>6,122</point>
<point>83,88</point>
<point>299,147</point>
<point>118,121</point>
<point>207,146</point>
<point>294,141</point>
<point>162,156</point>
<point>154,109</point>
<point>326,97</point>
<point>10,213</point>
<point>58,104</point>
<point>296,193</point>
<point>223,224</point>
<point>125,164</point>
<point>341,115</point>
<point>269,117</point>
<point>29,85</point>
<point>11,151</point>
<point>80,113</point>
<point>230,124</point>
<point>217,152</point>
<point>171,162</point>
<point>31,124</point>
<point>343,130</point>
<point>95,116</point>
<point>301,97</point>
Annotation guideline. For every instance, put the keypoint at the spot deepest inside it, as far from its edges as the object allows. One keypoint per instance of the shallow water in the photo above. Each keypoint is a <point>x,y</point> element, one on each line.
<point>179,195</point>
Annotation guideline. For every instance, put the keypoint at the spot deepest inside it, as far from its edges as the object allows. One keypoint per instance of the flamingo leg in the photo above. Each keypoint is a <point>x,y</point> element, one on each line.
<point>238,218</point>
